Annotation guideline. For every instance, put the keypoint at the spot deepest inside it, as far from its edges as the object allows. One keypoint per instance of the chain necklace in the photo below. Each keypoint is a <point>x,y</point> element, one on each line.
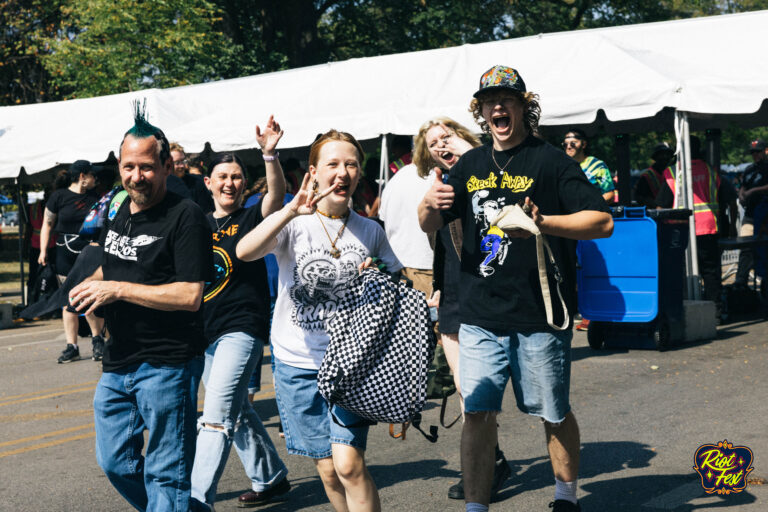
<point>226,221</point>
<point>335,252</point>
<point>331,216</point>
<point>501,169</point>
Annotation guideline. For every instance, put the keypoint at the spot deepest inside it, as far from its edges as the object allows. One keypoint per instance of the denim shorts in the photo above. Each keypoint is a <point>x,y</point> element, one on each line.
<point>538,363</point>
<point>307,423</point>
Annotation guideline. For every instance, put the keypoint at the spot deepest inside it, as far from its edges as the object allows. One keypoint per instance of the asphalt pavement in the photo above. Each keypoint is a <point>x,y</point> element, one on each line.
<point>642,414</point>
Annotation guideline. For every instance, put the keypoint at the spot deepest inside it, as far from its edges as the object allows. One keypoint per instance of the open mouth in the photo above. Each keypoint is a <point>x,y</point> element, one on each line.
<point>447,156</point>
<point>501,122</point>
<point>341,188</point>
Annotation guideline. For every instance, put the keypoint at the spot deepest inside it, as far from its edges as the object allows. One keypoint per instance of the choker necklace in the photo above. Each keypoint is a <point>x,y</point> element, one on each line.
<point>332,216</point>
<point>335,252</point>
<point>501,169</point>
<point>226,219</point>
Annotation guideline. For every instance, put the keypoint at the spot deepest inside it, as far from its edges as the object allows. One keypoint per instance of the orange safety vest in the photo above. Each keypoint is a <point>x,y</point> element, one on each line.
<point>705,185</point>
<point>652,178</point>
<point>401,162</point>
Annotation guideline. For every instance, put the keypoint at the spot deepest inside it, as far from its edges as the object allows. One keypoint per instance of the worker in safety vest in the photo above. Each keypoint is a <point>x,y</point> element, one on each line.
<point>401,152</point>
<point>651,180</point>
<point>705,208</point>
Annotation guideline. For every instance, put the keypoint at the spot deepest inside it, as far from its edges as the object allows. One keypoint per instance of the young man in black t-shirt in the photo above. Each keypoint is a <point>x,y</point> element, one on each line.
<point>504,331</point>
<point>157,256</point>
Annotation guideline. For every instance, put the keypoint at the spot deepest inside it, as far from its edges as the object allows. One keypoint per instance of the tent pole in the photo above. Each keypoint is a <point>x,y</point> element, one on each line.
<point>383,164</point>
<point>22,225</point>
<point>684,199</point>
<point>622,172</point>
<point>714,136</point>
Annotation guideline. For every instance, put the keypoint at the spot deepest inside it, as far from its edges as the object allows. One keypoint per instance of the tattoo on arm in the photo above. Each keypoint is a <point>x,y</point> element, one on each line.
<point>49,217</point>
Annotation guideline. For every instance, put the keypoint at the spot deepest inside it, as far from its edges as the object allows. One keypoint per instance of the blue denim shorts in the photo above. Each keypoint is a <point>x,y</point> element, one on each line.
<point>307,423</point>
<point>538,363</point>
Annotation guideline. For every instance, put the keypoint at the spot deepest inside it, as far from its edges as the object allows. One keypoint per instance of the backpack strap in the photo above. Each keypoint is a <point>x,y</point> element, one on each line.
<point>442,414</point>
<point>541,245</point>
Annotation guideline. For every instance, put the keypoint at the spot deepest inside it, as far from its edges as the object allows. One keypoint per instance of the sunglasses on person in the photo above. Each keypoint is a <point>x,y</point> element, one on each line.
<point>569,144</point>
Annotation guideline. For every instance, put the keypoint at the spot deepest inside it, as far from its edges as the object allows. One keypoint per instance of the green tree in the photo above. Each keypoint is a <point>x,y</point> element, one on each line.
<point>24,24</point>
<point>109,46</point>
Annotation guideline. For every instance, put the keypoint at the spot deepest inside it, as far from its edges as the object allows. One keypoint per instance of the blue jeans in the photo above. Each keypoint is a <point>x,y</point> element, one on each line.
<point>229,363</point>
<point>537,363</point>
<point>163,400</point>
<point>307,420</point>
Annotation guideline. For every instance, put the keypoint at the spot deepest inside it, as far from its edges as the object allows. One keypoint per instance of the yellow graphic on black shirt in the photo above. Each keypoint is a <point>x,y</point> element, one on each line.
<point>230,231</point>
<point>515,184</point>
<point>222,267</point>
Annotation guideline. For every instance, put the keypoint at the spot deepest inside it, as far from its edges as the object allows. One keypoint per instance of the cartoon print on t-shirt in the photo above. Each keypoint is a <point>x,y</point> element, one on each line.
<point>494,243</point>
<point>319,283</point>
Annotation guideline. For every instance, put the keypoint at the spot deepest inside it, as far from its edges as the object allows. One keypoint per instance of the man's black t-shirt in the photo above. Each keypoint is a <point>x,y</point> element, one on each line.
<point>500,287</point>
<point>237,299</point>
<point>198,192</point>
<point>755,175</point>
<point>168,243</point>
<point>70,208</point>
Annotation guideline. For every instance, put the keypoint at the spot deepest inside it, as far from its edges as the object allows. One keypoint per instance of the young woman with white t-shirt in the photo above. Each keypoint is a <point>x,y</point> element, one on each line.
<point>320,245</point>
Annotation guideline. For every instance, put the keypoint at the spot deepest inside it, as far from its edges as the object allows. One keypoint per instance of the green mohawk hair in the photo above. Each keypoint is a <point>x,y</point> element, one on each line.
<point>141,126</point>
<point>143,129</point>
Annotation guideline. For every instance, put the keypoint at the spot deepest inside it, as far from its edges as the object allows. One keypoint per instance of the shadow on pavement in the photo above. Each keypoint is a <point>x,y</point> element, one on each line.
<point>304,493</point>
<point>631,494</point>
<point>596,459</point>
<point>392,474</point>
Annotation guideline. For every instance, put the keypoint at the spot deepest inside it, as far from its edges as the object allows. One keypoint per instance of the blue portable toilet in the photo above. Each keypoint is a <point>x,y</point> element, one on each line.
<point>630,286</point>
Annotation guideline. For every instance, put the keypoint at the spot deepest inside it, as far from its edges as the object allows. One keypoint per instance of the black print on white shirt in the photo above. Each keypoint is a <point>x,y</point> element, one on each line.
<point>319,281</point>
<point>124,247</point>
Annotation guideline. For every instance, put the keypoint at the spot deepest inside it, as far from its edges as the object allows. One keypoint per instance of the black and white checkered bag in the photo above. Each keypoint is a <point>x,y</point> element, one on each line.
<point>381,344</point>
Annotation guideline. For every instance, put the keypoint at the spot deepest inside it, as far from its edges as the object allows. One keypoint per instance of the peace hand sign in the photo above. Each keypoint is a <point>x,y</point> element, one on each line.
<point>305,201</point>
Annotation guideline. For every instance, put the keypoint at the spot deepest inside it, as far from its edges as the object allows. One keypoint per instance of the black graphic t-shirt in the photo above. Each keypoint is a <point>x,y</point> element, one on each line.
<point>70,209</point>
<point>237,299</point>
<point>499,275</point>
<point>168,243</point>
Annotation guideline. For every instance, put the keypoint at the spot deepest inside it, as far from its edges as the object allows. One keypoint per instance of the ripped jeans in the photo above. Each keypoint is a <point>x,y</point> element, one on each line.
<point>229,363</point>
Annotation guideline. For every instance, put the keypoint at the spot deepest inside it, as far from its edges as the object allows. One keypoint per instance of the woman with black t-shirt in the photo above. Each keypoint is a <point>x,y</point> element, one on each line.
<point>64,213</point>
<point>236,312</point>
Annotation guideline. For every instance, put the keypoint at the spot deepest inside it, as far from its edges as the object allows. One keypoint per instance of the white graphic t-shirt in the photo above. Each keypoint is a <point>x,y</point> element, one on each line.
<point>311,281</point>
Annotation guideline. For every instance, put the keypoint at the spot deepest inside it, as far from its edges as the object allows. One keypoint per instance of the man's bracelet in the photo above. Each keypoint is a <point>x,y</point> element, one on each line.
<point>272,158</point>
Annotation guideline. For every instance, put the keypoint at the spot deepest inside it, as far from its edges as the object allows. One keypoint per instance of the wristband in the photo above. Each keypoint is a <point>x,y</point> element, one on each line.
<point>272,158</point>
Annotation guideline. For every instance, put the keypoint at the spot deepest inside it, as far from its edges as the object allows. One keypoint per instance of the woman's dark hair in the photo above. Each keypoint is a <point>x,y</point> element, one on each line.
<point>62,180</point>
<point>225,158</point>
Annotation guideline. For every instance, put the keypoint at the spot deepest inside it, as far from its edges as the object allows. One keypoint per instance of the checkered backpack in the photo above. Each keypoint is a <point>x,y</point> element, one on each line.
<point>381,345</point>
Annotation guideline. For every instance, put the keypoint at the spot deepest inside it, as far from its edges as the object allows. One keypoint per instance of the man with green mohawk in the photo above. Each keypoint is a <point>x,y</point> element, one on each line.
<point>157,256</point>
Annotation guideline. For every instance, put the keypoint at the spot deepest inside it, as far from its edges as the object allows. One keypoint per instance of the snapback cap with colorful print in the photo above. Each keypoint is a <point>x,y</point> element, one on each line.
<point>501,77</point>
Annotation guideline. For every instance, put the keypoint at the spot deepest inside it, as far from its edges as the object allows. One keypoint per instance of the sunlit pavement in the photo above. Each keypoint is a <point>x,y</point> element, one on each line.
<point>642,414</point>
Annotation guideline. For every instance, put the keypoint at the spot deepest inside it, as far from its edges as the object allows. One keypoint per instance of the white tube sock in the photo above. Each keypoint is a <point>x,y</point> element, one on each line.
<point>566,491</point>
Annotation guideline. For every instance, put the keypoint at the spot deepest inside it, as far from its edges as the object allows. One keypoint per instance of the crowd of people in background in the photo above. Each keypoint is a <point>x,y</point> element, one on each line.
<point>266,258</point>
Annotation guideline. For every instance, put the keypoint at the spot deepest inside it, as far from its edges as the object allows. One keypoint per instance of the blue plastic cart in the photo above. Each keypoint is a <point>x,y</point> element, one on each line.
<point>630,286</point>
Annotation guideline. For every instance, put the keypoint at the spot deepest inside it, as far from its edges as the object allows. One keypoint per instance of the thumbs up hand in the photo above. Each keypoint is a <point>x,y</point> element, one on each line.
<point>440,196</point>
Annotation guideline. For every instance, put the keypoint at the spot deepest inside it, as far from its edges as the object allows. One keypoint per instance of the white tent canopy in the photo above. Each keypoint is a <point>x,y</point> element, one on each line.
<point>629,78</point>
